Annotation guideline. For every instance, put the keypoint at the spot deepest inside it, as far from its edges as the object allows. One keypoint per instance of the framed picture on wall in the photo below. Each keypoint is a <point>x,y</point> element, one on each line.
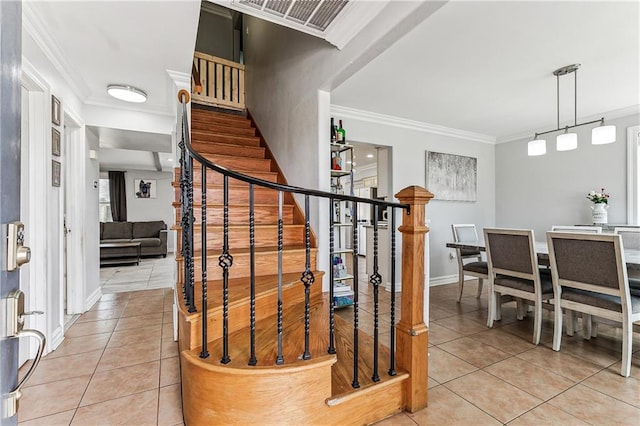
<point>55,110</point>
<point>452,177</point>
<point>56,169</point>
<point>145,188</point>
<point>55,142</point>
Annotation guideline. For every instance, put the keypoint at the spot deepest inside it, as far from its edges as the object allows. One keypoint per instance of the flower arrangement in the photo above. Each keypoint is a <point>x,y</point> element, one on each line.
<point>598,197</point>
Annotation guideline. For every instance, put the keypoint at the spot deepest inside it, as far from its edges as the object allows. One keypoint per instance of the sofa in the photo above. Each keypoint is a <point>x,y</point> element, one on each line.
<point>152,237</point>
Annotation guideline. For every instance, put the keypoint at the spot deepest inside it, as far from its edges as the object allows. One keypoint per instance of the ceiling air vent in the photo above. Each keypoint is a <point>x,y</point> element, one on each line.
<point>312,14</point>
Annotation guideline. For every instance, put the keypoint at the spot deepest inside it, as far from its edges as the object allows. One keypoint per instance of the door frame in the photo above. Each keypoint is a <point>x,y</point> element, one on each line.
<point>633,175</point>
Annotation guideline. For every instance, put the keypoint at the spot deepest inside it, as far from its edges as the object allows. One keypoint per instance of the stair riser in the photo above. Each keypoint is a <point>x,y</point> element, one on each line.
<point>215,178</point>
<point>242,163</point>
<point>239,314</point>
<point>208,137</point>
<point>221,119</point>
<point>266,264</point>
<point>228,149</point>
<point>239,215</point>
<point>237,195</point>
<point>202,126</point>
<point>239,238</point>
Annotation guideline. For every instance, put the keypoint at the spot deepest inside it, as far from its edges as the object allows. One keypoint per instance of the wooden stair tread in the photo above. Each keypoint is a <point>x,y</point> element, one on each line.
<point>233,184</point>
<point>266,339</point>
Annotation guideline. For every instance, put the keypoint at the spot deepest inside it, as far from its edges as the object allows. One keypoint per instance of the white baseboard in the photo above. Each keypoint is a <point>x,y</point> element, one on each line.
<point>93,298</point>
<point>446,279</point>
<point>56,338</point>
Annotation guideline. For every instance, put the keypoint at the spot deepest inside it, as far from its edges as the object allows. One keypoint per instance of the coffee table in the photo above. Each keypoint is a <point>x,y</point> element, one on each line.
<point>120,259</point>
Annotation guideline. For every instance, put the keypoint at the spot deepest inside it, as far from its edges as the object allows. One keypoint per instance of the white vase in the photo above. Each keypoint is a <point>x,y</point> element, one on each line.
<point>599,213</point>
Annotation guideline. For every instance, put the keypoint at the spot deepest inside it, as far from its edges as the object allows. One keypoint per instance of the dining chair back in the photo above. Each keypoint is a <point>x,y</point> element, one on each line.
<point>630,237</point>
<point>580,229</point>
<point>590,276</point>
<point>513,270</point>
<point>476,267</point>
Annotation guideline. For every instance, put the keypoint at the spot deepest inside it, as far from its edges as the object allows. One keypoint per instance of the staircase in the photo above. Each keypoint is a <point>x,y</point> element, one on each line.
<point>243,373</point>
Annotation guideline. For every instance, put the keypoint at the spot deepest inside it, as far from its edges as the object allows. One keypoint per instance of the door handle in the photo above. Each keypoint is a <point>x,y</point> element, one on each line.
<point>11,327</point>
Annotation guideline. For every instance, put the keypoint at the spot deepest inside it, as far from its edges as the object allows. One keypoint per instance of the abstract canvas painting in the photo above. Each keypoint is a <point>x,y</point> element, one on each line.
<point>452,177</point>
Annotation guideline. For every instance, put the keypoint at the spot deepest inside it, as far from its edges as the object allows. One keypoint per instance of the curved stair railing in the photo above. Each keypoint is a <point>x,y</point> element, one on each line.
<point>413,229</point>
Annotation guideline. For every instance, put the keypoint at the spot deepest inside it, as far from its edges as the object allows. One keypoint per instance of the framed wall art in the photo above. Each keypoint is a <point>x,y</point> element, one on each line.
<point>452,177</point>
<point>145,188</point>
<point>55,110</point>
<point>56,170</point>
<point>55,142</point>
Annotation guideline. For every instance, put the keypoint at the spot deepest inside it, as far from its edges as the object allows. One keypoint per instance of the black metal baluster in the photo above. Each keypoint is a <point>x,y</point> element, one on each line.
<point>190,250</point>
<point>183,212</point>
<point>280,358</point>
<point>375,280</point>
<point>392,335</point>
<point>332,304</point>
<point>252,297</point>
<point>355,384</point>
<point>307,279</point>
<point>225,261</point>
<point>203,231</point>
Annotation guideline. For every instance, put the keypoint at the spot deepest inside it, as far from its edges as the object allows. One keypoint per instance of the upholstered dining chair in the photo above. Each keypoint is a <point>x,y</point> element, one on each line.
<point>513,270</point>
<point>590,276</point>
<point>574,228</point>
<point>466,233</point>
<point>631,240</point>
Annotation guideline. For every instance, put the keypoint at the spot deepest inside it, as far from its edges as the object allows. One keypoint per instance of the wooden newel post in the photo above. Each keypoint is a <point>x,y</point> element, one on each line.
<point>411,331</point>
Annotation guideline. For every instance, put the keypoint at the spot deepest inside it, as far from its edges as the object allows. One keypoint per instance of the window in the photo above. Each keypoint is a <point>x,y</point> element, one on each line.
<point>104,202</point>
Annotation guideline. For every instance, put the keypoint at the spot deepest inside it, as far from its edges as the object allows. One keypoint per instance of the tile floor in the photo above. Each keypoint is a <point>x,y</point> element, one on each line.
<point>113,368</point>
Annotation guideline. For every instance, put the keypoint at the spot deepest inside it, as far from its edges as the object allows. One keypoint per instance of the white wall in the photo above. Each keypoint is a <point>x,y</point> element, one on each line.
<point>145,209</point>
<point>92,233</point>
<point>538,192</point>
<point>408,148</point>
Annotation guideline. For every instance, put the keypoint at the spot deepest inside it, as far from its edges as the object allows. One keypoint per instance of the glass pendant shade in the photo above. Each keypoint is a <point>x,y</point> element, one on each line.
<point>567,141</point>
<point>603,134</point>
<point>537,147</point>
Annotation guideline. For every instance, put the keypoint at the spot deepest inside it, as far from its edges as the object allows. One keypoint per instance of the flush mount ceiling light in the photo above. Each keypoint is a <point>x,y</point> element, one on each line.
<point>569,141</point>
<point>126,93</point>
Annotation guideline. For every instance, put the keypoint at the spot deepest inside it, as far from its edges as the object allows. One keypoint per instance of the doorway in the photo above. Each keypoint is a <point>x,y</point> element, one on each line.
<point>633,175</point>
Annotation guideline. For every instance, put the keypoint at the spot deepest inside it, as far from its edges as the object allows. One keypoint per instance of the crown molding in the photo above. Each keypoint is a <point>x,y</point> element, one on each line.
<point>609,115</point>
<point>180,79</point>
<point>404,123</point>
<point>149,109</point>
<point>351,20</point>
<point>33,24</point>
<point>214,9</point>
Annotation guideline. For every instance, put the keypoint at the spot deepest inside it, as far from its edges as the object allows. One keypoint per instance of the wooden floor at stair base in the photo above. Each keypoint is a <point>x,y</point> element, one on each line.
<point>189,324</point>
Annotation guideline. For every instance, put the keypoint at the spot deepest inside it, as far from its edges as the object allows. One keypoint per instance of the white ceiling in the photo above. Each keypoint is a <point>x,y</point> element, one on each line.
<point>486,67</point>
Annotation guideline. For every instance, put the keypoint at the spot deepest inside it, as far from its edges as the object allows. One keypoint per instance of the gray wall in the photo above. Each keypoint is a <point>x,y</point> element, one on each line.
<point>538,192</point>
<point>215,36</point>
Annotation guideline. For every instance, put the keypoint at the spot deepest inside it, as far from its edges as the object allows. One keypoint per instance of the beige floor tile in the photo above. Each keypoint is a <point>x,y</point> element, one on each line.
<point>566,365</point>
<point>595,407</point>
<point>474,352</point>
<point>169,348</point>
<point>524,329</point>
<point>535,380</point>
<point>52,398</point>
<point>610,382</point>
<point>169,371</point>
<point>140,409</point>
<point>109,304</point>
<point>103,314</point>
<point>147,293</point>
<point>447,408</point>
<point>589,350</point>
<point>129,355</point>
<point>121,382</point>
<point>439,334</point>
<point>444,367</point>
<point>133,336</point>
<point>400,419</point>
<point>436,313</point>
<point>547,414</point>
<point>76,345</point>
<point>60,419</point>
<point>635,367</point>
<point>51,370</point>
<point>139,321</point>
<point>167,318</point>
<point>114,296</point>
<point>504,341</point>
<point>432,383</point>
<point>494,396</point>
<point>170,406</point>
<point>462,325</point>
<point>93,327</point>
<point>132,311</point>
<point>167,331</point>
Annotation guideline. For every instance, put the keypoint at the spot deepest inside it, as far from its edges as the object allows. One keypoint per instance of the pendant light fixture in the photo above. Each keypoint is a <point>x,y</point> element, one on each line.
<point>568,141</point>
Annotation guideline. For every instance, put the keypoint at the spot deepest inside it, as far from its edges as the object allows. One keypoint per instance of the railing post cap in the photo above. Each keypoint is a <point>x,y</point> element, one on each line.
<point>185,93</point>
<point>414,195</point>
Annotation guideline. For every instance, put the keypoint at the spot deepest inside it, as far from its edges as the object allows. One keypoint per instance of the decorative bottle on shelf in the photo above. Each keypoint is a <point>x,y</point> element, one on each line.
<point>334,133</point>
<point>342,135</point>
